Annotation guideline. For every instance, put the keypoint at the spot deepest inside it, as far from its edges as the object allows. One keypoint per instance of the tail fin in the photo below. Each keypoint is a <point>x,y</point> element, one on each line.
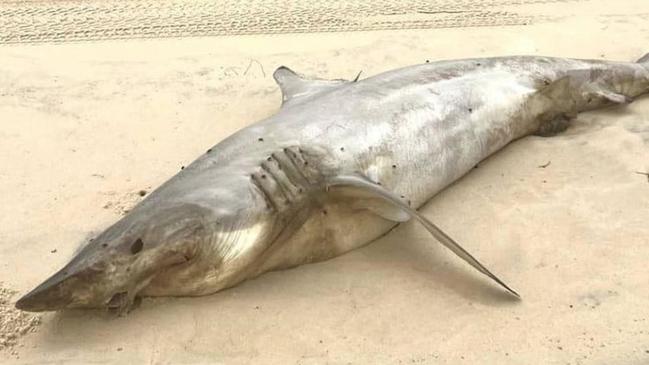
<point>644,59</point>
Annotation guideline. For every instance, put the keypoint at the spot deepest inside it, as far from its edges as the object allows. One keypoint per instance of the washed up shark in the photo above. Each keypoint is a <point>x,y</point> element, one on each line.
<point>340,164</point>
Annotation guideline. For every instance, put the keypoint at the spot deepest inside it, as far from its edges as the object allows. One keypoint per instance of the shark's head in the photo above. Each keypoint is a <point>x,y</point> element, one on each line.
<point>202,231</point>
<point>114,267</point>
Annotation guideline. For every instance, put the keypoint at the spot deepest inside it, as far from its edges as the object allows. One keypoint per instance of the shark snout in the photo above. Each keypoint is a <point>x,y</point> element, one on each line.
<point>68,288</point>
<point>49,296</point>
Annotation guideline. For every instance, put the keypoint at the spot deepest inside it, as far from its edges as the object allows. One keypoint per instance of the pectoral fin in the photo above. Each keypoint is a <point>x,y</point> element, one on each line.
<point>366,187</point>
<point>383,209</point>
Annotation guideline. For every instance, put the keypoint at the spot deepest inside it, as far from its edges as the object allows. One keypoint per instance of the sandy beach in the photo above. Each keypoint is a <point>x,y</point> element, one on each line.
<point>92,119</point>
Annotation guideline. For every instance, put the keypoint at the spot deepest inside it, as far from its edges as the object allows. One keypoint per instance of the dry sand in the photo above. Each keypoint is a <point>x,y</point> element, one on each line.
<point>86,126</point>
<point>14,323</point>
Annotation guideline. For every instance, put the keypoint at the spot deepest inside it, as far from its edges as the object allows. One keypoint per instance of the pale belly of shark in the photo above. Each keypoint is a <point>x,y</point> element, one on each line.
<point>339,165</point>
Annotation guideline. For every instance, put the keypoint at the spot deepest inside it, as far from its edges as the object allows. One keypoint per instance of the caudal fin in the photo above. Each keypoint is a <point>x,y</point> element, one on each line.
<point>644,59</point>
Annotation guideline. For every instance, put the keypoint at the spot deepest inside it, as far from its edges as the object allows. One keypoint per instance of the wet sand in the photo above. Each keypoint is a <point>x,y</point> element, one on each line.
<point>87,125</point>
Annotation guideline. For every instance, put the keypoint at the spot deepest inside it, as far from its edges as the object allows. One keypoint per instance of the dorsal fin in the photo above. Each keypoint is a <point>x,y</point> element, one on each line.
<point>643,59</point>
<point>296,87</point>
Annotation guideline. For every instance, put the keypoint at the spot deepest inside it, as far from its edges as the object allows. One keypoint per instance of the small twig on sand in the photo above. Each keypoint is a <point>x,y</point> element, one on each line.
<point>261,67</point>
<point>643,173</point>
<point>545,165</point>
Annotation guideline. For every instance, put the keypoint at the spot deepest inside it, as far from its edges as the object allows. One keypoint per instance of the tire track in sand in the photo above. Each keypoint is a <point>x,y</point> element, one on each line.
<point>68,20</point>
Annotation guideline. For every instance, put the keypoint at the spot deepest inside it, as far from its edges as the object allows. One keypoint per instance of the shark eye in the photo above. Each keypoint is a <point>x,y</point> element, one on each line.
<point>137,246</point>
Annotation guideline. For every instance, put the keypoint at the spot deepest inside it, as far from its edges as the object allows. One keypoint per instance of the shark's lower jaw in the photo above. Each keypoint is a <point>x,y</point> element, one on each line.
<point>123,302</point>
<point>117,300</point>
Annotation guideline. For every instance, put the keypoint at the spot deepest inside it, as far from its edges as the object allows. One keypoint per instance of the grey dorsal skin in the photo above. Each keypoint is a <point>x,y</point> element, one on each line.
<point>340,164</point>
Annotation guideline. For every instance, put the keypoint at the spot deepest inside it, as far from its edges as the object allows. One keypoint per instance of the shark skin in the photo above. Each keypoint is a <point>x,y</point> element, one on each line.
<point>340,164</point>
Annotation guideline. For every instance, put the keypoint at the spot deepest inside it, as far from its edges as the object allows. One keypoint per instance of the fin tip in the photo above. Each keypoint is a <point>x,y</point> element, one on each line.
<point>643,59</point>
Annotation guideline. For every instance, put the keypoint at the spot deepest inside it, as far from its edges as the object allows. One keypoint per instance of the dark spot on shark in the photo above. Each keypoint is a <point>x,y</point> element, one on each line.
<point>394,166</point>
<point>427,61</point>
<point>263,176</point>
<point>209,150</point>
<point>342,149</point>
<point>137,246</point>
<point>182,167</point>
<point>478,64</point>
<point>260,139</point>
<point>142,192</point>
<point>470,110</point>
<point>269,158</point>
<point>324,211</point>
<point>104,245</point>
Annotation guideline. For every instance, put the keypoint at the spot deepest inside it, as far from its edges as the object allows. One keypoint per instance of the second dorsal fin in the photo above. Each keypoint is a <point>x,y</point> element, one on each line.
<point>296,87</point>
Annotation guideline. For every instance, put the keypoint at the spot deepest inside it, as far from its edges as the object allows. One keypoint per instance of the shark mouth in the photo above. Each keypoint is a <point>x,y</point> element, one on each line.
<point>118,300</point>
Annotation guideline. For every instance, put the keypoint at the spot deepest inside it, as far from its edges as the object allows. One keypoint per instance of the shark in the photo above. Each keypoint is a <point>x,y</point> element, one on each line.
<point>341,163</point>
